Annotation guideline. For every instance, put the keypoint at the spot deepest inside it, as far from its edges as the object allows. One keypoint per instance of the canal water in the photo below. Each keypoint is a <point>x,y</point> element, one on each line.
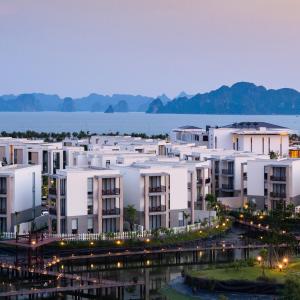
<point>163,278</point>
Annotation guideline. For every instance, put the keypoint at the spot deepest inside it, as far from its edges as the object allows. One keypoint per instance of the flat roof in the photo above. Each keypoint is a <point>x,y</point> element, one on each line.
<point>253,125</point>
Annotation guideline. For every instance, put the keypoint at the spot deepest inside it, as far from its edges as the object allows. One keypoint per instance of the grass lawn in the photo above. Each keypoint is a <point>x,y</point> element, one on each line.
<point>171,294</point>
<point>248,273</point>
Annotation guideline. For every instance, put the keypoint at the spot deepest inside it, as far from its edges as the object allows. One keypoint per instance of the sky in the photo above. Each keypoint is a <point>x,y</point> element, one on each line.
<point>148,47</point>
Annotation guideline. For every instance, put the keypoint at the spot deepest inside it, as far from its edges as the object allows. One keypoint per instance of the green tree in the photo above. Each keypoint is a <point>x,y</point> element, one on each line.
<point>130,215</point>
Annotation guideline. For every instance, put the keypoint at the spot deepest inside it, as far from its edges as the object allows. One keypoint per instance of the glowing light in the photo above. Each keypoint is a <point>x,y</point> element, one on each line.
<point>92,266</point>
<point>241,216</point>
<point>119,264</point>
<point>148,262</point>
<point>285,260</point>
<point>118,242</point>
<point>91,243</point>
<point>259,258</point>
<point>280,267</point>
<point>62,243</point>
<point>33,242</point>
<point>147,240</point>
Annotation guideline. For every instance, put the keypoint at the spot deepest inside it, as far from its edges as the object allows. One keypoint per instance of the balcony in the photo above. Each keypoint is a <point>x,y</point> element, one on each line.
<point>245,177</point>
<point>227,172</point>
<point>207,180</point>
<point>198,205</point>
<point>278,195</point>
<point>111,192</point>
<point>52,191</point>
<point>2,211</point>
<point>199,180</point>
<point>227,187</point>
<point>278,178</point>
<point>157,189</point>
<point>3,191</point>
<point>111,211</point>
<point>160,208</point>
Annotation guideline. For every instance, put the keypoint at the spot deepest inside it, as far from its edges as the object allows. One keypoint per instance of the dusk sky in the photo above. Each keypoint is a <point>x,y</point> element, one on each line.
<point>149,47</point>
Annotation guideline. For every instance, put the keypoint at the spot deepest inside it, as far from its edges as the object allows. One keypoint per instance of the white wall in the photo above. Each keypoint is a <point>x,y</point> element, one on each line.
<point>23,187</point>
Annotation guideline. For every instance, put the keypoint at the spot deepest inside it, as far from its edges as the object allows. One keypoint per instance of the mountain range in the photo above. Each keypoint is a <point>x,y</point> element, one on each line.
<point>240,98</point>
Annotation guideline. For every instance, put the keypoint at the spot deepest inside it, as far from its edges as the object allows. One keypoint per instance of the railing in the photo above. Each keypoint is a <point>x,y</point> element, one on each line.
<point>110,212</point>
<point>198,205</point>
<point>227,187</point>
<point>3,211</point>
<point>108,192</point>
<point>52,191</point>
<point>227,172</point>
<point>157,208</point>
<point>199,180</point>
<point>277,178</point>
<point>3,191</point>
<point>277,195</point>
<point>115,235</point>
<point>157,189</point>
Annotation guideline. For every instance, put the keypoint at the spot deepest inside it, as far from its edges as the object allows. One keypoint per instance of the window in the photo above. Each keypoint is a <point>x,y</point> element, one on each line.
<point>3,225</point>
<point>63,225</point>
<point>263,145</point>
<point>180,218</point>
<point>74,226</point>
<point>90,186</point>
<point>155,181</point>
<point>107,164</point>
<point>109,225</point>
<point>62,206</point>
<point>63,187</point>
<point>251,144</point>
<point>3,186</point>
<point>155,221</point>
<point>108,184</point>
<point>90,228</point>
<point>216,142</point>
<point>269,144</point>
<point>45,161</point>
<point>2,205</point>
<point>205,138</point>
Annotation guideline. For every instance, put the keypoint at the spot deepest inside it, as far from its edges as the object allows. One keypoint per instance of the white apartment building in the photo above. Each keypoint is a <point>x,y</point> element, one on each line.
<point>128,143</point>
<point>189,134</point>
<point>33,152</point>
<point>257,137</point>
<point>270,182</point>
<point>83,200</point>
<point>166,194</point>
<point>20,195</point>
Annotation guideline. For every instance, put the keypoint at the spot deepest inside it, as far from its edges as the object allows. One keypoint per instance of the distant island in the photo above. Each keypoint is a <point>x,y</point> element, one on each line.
<point>241,98</point>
